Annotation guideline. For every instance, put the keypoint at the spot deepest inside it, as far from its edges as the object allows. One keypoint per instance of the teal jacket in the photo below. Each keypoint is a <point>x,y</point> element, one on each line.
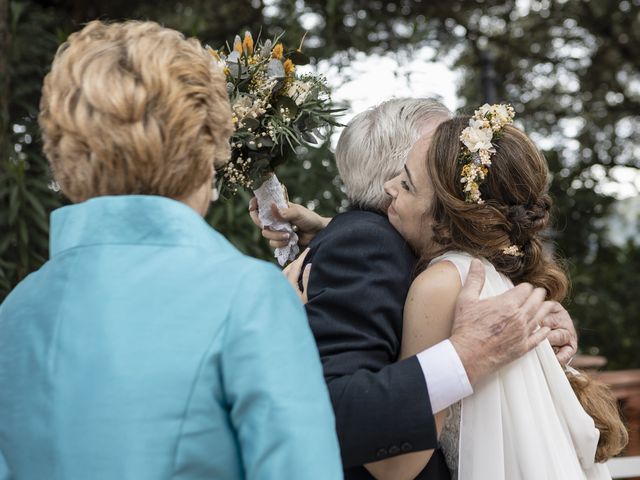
<point>148,347</point>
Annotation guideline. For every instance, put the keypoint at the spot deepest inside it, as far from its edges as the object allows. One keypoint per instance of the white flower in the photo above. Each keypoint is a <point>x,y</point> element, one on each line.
<point>485,157</point>
<point>265,51</point>
<point>502,112</point>
<point>483,110</point>
<point>234,57</point>
<point>476,123</point>
<point>243,101</point>
<point>244,106</point>
<point>495,116</point>
<point>299,91</point>
<point>477,139</point>
<point>513,250</point>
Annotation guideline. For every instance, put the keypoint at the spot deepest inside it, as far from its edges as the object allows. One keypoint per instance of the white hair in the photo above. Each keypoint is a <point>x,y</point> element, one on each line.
<point>373,147</point>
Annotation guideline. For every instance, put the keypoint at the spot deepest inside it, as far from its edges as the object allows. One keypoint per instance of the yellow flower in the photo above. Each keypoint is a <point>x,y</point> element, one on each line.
<point>289,67</point>
<point>247,43</point>
<point>214,53</point>
<point>277,51</point>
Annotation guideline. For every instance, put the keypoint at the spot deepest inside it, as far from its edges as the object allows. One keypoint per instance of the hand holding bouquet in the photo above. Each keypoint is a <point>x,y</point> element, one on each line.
<point>274,111</point>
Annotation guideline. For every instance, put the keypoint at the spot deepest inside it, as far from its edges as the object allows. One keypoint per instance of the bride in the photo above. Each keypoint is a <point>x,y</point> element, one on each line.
<point>477,188</point>
<point>481,192</point>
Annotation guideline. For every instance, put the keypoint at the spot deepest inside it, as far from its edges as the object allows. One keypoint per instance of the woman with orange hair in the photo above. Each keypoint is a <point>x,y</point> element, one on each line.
<point>477,188</point>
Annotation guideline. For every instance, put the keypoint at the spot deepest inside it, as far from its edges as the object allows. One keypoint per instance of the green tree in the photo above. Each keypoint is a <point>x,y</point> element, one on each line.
<point>25,196</point>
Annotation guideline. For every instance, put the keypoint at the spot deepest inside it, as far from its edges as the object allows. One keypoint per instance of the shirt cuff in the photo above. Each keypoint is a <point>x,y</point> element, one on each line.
<point>445,375</point>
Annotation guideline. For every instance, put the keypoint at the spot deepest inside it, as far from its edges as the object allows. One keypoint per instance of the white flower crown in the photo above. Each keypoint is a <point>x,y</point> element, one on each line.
<point>485,125</point>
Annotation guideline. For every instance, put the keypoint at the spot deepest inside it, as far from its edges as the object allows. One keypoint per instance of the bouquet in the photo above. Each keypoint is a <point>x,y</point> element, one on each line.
<point>274,111</point>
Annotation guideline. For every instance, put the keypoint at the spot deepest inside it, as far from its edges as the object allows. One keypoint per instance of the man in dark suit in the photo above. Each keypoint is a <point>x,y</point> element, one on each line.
<point>362,270</point>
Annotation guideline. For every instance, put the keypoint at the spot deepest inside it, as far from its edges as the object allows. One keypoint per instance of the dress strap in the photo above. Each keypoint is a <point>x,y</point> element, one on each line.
<point>461,260</point>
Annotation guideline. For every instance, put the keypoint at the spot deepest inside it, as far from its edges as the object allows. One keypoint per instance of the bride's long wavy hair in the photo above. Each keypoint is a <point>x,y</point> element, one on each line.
<point>516,211</point>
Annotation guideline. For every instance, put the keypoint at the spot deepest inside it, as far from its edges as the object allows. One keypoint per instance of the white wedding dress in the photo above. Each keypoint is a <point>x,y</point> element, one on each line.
<point>523,422</point>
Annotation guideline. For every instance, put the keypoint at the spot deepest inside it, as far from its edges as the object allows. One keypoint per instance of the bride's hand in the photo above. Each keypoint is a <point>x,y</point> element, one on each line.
<point>292,272</point>
<point>307,222</point>
<point>563,337</point>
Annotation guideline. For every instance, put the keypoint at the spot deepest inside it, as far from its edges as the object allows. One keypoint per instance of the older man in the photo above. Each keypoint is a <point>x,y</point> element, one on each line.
<point>362,270</point>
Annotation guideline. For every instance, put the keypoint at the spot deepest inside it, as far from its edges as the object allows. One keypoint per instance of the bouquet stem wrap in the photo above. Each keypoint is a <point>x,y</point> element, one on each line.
<point>272,191</point>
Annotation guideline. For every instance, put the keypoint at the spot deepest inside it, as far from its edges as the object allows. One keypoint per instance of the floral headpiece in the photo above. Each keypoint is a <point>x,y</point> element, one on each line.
<point>485,125</point>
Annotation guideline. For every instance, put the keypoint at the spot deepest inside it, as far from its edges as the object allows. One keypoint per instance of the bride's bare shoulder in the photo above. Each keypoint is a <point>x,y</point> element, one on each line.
<point>441,278</point>
<point>430,306</point>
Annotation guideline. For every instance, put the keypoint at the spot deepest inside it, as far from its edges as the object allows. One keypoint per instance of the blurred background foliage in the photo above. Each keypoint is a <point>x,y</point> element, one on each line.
<point>570,67</point>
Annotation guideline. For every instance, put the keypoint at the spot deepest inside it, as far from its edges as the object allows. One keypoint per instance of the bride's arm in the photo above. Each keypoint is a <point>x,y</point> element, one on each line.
<point>428,317</point>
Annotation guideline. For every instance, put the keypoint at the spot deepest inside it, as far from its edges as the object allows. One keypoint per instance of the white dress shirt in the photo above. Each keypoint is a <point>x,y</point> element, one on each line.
<point>445,375</point>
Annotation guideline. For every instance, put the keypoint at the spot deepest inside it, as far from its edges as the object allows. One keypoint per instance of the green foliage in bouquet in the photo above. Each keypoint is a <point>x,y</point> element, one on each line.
<point>274,109</point>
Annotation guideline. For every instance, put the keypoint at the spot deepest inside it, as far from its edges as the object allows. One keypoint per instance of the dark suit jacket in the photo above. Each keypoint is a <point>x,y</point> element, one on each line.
<point>362,270</point>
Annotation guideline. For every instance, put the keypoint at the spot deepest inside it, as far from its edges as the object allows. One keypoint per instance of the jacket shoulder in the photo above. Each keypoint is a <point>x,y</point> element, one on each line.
<point>364,230</point>
<point>361,222</point>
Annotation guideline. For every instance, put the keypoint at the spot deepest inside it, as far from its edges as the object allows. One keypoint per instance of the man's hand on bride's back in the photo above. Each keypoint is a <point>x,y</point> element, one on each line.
<point>489,333</point>
<point>308,223</point>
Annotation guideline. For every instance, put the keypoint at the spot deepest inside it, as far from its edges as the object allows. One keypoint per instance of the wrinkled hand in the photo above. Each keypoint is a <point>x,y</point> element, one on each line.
<point>563,337</point>
<point>307,222</point>
<point>292,272</point>
<point>489,333</point>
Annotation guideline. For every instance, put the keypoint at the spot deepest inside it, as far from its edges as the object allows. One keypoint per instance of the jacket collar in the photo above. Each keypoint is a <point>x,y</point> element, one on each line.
<point>127,219</point>
<point>355,208</point>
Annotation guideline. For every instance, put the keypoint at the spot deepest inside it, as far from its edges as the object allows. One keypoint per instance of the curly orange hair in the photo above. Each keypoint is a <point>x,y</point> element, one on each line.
<point>516,212</point>
<point>516,209</point>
